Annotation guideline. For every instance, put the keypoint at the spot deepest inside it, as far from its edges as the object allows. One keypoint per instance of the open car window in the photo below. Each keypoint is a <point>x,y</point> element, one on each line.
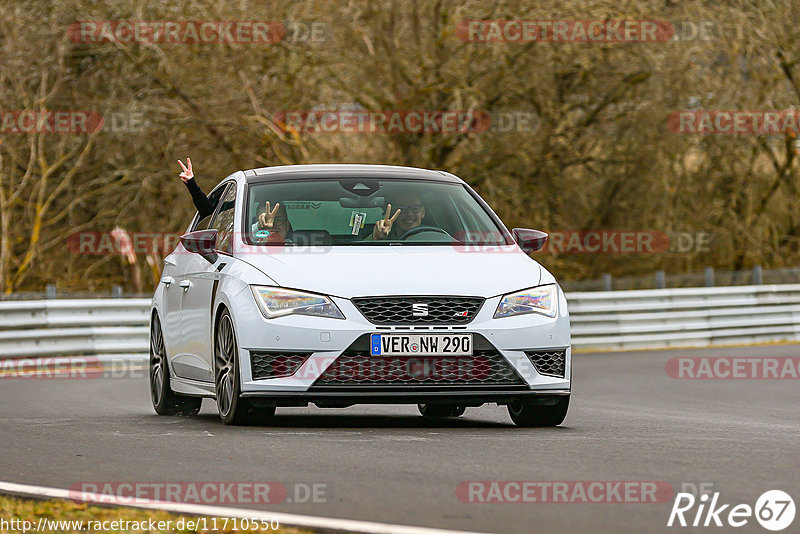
<point>214,197</point>
<point>223,221</point>
<point>344,212</point>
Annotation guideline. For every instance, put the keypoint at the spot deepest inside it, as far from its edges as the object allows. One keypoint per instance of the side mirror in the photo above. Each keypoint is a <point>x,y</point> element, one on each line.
<point>529,240</point>
<point>203,242</point>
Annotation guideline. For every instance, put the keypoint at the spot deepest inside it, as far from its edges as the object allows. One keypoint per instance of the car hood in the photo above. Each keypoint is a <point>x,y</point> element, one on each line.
<point>396,270</point>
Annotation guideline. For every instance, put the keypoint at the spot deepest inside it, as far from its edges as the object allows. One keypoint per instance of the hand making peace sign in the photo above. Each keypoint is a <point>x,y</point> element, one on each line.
<point>384,226</point>
<point>187,173</point>
<point>267,219</point>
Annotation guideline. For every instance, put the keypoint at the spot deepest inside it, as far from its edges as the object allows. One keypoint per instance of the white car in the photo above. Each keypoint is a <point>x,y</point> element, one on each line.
<point>446,310</point>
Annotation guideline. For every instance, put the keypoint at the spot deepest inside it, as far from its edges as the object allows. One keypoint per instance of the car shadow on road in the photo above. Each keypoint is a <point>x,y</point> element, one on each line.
<point>370,421</point>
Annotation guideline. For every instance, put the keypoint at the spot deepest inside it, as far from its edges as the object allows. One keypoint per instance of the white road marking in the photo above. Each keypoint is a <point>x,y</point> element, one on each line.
<point>292,433</point>
<point>349,525</point>
<point>142,434</point>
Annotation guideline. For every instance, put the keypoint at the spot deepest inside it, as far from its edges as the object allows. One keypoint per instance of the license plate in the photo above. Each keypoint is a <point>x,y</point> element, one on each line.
<point>421,344</point>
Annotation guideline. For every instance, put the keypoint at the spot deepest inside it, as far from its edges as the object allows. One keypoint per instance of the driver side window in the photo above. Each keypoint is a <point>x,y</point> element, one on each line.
<point>214,198</point>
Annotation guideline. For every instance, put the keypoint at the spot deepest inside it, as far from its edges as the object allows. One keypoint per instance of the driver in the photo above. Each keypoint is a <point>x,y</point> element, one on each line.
<point>408,216</point>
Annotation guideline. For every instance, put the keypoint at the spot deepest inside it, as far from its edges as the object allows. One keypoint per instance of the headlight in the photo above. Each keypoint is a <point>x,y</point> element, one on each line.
<point>275,302</point>
<point>542,299</point>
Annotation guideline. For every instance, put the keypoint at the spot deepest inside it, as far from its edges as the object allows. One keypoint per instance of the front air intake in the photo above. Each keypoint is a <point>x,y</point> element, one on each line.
<point>548,362</point>
<point>276,364</point>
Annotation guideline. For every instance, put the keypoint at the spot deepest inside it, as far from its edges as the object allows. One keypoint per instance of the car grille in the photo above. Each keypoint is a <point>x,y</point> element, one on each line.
<point>276,364</point>
<point>483,368</point>
<point>549,363</point>
<point>400,310</point>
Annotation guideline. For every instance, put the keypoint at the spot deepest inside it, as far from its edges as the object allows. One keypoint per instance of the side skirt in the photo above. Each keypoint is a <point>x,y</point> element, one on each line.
<point>194,388</point>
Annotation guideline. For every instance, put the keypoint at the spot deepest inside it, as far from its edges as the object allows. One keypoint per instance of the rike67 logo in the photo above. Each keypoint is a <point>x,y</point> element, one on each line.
<point>774,510</point>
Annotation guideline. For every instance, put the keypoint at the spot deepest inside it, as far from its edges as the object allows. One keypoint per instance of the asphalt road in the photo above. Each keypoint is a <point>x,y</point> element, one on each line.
<point>629,421</point>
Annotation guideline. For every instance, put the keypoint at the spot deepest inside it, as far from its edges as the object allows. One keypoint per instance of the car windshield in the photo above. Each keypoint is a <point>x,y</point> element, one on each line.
<point>369,212</point>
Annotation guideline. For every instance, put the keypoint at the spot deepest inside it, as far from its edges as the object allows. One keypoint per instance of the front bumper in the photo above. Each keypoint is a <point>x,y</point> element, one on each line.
<point>325,340</point>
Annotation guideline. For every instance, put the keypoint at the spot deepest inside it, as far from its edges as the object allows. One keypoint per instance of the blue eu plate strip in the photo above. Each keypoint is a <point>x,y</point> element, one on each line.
<point>375,344</point>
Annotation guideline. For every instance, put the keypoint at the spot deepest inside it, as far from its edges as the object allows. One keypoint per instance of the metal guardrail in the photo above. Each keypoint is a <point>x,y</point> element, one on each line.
<point>709,277</point>
<point>639,319</point>
<point>685,317</point>
<point>107,328</point>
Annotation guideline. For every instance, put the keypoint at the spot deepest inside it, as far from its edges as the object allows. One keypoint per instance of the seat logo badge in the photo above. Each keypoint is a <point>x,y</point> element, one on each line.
<point>419,309</point>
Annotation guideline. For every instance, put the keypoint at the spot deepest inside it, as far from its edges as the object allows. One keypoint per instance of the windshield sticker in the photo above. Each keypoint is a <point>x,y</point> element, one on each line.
<point>301,205</point>
<point>262,233</point>
<point>357,220</point>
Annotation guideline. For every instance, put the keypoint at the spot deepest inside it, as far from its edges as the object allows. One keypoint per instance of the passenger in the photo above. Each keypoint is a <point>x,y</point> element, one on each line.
<point>272,225</point>
<point>201,202</point>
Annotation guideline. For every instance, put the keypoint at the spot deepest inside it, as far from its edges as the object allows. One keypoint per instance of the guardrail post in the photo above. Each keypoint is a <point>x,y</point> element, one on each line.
<point>758,275</point>
<point>50,291</point>
<point>116,292</point>
<point>709,271</point>
<point>607,284</point>
<point>661,280</point>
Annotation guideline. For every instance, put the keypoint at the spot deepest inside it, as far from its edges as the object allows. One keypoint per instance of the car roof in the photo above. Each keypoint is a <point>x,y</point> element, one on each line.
<point>344,170</point>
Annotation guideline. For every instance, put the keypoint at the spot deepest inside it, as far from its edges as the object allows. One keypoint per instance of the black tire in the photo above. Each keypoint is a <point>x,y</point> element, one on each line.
<point>165,401</point>
<point>441,410</point>
<point>528,414</point>
<point>233,409</point>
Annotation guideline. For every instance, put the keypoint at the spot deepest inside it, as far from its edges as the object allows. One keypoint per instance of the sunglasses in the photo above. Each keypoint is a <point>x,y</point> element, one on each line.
<point>413,210</point>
